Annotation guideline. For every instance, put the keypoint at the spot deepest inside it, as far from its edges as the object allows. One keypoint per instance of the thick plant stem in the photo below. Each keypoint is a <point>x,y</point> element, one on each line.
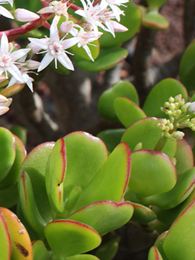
<point>189,21</point>
<point>140,61</point>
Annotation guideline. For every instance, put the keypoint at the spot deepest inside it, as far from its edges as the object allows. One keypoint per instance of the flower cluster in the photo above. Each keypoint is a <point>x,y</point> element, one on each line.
<point>66,31</point>
<point>181,114</point>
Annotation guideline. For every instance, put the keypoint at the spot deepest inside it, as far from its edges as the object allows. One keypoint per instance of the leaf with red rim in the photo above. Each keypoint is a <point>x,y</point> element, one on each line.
<point>29,206</point>
<point>70,161</point>
<point>179,242</point>
<point>104,216</point>
<point>112,179</point>
<point>68,237</point>
<point>146,132</point>
<point>5,241</point>
<point>21,243</point>
<point>152,173</point>
<point>154,254</point>
<point>35,165</point>
<point>127,111</point>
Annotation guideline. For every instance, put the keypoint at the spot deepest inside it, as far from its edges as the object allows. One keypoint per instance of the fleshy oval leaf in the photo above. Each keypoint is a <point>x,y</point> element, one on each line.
<point>160,93</point>
<point>127,111</point>
<point>68,237</point>
<point>20,240</point>
<point>116,170</point>
<point>179,242</point>
<point>7,152</point>
<point>152,173</point>
<point>120,89</point>
<point>104,216</point>
<point>145,132</point>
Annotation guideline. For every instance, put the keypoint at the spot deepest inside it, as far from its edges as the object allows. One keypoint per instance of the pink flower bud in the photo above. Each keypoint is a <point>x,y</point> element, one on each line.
<point>24,15</point>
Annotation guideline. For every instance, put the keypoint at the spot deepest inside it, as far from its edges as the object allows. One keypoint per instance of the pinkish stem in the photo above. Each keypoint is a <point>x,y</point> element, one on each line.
<point>13,34</point>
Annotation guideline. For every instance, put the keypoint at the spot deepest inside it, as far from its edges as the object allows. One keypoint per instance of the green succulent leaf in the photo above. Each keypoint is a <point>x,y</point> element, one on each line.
<point>145,132</point>
<point>81,53</point>
<point>40,252</point>
<point>131,20</point>
<point>187,67</point>
<point>143,214</point>
<point>184,157</point>
<point>154,20</point>
<point>127,111</point>
<point>35,165</point>
<point>160,93</point>
<point>9,196</point>
<point>70,160</point>
<point>20,132</point>
<point>107,59</point>
<point>5,242</point>
<point>82,257</point>
<point>154,254</point>
<point>108,250</point>
<point>156,3</point>
<point>169,147</point>
<point>177,195</point>
<point>111,137</point>
<point>152,173</point>
<point>13,175</point>
<point>116,170</point>
<point>179,242</point>
<point>20,240</point>
<point>120,89</point>
<point>68,237</point>
<point>7,152</point>
<point>29,206</point>
<point>104,216</point>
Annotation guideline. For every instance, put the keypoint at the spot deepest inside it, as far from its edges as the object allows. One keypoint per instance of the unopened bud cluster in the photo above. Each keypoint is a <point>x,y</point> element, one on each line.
<point>181,114</point>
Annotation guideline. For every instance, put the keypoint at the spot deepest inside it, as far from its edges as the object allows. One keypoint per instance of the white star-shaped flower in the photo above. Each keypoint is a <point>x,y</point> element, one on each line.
<point>100,17</point>
<point>9,59</point>
<point>114,6</point>
<point>54,48</point>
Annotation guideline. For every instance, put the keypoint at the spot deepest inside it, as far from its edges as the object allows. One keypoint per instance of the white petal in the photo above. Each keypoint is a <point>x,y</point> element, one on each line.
<point>86,48</point>
<point>4,44</point>
<point>54,34</point>
<point>45,62</point>
<point>24,15</point>
<point>5,13</point>
<point>65,61</point>
<point>68,43</point>
<point>118,27</point>
<point>6,1</point>
<point>3,110</point>
<point>38,44</point>
<point>16,55</point>
<point>46,10</point>
<point>15,72</point>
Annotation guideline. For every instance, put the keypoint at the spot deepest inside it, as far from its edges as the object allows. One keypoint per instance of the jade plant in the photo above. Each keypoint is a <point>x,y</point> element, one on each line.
<point>161,187</point>
<point>72,193</point>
